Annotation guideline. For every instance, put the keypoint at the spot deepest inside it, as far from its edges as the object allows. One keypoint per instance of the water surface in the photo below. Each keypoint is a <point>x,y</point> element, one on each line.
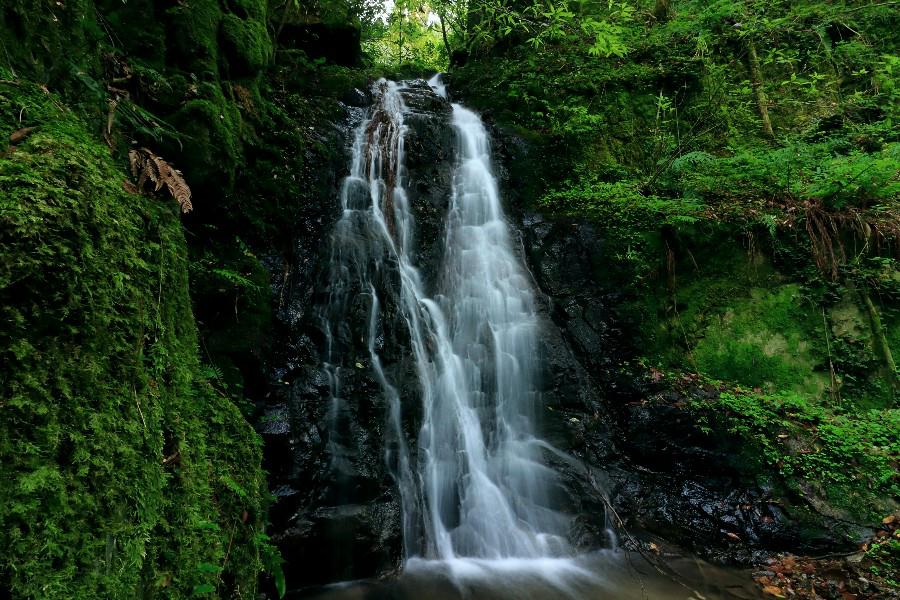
<point>605,575</point>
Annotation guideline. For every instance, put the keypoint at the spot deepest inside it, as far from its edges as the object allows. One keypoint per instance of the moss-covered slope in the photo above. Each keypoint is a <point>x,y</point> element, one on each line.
<point>124,474</point>
<point>130,468</point>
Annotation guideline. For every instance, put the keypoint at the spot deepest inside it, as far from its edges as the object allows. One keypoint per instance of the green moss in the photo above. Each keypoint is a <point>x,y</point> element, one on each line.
<point>256,10</point>
<point>125,475</point>
<point>194,37</point>
<point>335,80</point>
<point>49,41</point>
<point>763,341</point>
<point>140,30</point>
<point>893,336</point>
<point>247,45</point>
<point>212,150</point>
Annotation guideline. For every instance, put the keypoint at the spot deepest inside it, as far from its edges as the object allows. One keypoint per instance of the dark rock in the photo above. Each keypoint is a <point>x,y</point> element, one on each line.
<point>336,515</point>
<point>338,43</point>
<point>356,98</point>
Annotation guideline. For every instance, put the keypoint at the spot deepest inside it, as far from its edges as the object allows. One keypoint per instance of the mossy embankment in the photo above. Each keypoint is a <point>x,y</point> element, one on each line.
<point>753,243</point>
<point>136,337</point>
<point>125,472</point>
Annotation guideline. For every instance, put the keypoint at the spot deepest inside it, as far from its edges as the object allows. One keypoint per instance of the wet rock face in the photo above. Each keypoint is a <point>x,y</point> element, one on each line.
<point>691,488</point>
<point>337,511</point>
<point>430,151</point>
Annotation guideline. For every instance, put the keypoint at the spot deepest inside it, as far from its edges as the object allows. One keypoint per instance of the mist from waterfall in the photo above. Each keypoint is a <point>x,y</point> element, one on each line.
<point>476,486</point>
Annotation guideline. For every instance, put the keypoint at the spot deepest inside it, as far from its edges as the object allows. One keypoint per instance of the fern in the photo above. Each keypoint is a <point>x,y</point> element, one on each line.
<point>691,160</point>
<point>147,166</point>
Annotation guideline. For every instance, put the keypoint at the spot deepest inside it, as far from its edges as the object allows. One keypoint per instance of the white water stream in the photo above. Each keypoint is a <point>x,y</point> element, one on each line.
<point>476,487</point>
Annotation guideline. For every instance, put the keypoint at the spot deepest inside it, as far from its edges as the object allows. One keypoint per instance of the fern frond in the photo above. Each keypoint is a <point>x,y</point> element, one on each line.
<point>147,166</point>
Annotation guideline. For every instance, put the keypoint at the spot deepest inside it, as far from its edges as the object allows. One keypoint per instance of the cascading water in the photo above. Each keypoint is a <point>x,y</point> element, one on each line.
<point>485,483</point>
<point>477,487</point>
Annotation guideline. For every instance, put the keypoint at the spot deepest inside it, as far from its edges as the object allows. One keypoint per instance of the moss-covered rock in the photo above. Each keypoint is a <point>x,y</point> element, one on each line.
<point>49,41</point>
<point>249,9</point>
<point>140,29</point>
<point>193,37</point>
<point>247,45</point>
<point>212,147</point>
<point>764,340</point>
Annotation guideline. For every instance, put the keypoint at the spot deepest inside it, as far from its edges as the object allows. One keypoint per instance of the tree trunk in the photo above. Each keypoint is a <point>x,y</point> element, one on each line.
<point>400,43</point>
<point>662,10</point>
<point>756,80</point>
<point>881,342</point>
<point>444,35</point>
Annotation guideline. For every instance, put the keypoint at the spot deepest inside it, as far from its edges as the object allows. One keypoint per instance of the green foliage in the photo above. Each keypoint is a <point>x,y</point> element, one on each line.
<point>337,11</point>
<point>885,557</point>
<point>732,244</point>
<point>838,175</point>
<point>632,219</point>
<point>408,36</point>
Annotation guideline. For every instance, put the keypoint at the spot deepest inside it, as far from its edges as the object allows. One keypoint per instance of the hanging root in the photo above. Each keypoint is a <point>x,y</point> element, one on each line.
<point>825,240</point>
<point>878,231</point>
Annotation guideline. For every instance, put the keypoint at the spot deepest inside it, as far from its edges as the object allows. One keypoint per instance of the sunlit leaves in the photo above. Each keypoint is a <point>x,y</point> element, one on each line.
<point>607,38</point>
<point>408,34</point>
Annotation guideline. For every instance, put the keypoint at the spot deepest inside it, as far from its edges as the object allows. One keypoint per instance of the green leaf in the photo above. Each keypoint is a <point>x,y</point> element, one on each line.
<point>203,589</point>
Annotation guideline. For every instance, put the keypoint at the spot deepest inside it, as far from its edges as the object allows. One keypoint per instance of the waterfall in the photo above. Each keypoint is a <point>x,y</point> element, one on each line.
<point>476,487</point>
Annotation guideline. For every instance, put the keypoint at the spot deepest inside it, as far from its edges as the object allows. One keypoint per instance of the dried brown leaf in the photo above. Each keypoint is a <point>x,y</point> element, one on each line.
<point>20,134</point>
<point>147,166</point>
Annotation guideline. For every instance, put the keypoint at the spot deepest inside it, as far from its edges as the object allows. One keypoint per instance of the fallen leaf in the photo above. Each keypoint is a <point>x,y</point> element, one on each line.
<point>773,591</point>
<point>20,134</point>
